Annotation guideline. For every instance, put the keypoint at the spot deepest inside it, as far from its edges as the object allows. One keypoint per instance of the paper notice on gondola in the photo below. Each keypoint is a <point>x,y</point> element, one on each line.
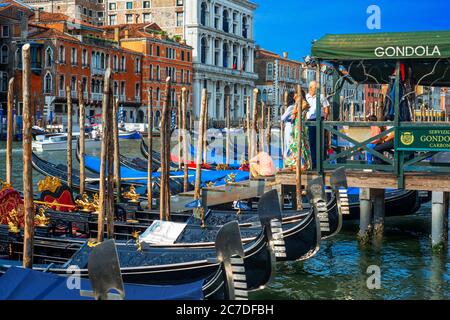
<point>162,232</point>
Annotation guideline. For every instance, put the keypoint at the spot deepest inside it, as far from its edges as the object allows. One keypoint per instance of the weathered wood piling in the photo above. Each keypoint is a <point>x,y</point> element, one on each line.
<point>82,150</point>
<point>69,137</point>
<point>150,149</point>
<point>28,238</point>
<point>185,139</point>
<point>164,206</point>
<point>9,131</point>
<point>198,169</point>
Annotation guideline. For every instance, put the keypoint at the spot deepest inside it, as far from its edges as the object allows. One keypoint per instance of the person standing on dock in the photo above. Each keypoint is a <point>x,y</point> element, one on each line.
<point>291,158</point>
<point>287,119</point>
<point>311,115</point>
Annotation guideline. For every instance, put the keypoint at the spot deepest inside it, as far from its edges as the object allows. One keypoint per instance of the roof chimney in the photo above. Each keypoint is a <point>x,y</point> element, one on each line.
<point>285,55</point>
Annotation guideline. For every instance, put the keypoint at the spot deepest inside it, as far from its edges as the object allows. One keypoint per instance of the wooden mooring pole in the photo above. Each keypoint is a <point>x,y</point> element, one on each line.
<point>69,137</point>
<point>28,238</point>
<point>115,123</point>
<point>110,168</point>
<point>180,138</point>
<point>228,126</point>
<point>198,168</point>
<point>164,206</point>
<point>261,126</point>
<point>254,137</point>
<point>150,150</point>
<point>82,138</point>
<point>185,137</point>
<point>249,137</point>
<point>298,177</point>
<point>9,131</point>
<point>103,205</point>
<point>205,139</point>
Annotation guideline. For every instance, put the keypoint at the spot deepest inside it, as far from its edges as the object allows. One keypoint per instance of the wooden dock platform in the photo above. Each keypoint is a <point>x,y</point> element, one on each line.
<point>376,180</point>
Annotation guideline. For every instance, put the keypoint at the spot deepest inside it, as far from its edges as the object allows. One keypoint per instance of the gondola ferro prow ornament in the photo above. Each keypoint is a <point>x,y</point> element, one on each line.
<point>104,273</point>
<point>230,253</point>
<point>317,198</point>
<point>84,203</point>
<point>13,221</point>
<point>269,211</point>
<point>49,183</point>
<point>338,181</point>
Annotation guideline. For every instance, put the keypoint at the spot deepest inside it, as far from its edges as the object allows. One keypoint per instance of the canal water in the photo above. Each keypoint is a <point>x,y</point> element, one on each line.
<point>407,267</point>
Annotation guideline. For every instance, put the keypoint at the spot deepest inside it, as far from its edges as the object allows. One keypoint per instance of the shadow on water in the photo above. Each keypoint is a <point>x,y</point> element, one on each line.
<point>339,270</point>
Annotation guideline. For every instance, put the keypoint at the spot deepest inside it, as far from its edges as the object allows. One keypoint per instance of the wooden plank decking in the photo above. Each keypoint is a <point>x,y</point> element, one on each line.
<point>378,180</point>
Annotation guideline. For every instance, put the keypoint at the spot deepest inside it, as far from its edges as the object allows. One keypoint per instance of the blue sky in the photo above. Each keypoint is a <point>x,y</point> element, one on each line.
<point>291,25</point>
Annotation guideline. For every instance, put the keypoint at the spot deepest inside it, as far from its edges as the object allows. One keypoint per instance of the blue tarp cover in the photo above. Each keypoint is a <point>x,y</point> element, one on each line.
<point>218,177</point>
<point>25,284</point>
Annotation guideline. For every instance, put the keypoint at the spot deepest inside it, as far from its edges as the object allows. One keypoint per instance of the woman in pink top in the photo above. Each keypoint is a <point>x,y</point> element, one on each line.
<point>262,165</point>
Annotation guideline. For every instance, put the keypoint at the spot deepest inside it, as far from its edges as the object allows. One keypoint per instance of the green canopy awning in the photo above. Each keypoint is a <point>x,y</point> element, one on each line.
<point>371,58</point>
<point>386,45</point>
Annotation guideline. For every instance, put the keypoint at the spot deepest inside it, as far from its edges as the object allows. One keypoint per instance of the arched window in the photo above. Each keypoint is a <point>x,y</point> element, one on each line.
<point>4,80</point>
<point>138,65</point>
<point>4,54</point>
<point>244,59</point>
<point>264,95</point>
<point>48,83</point>
<point>244,27</point>
<point>62,54</point>
<point>226,50</point>
<point>158,94</point>
<point>226,21</point>
<point>158,73</point>
<point>151,72</point>
<point>102,61</point>
<point>269,71</point>
<point>48,57</point>
<point>115,63</point>
<point>93,63</point>
<point>204,50</point>
<point>122,63</point>
<point>203,13</point>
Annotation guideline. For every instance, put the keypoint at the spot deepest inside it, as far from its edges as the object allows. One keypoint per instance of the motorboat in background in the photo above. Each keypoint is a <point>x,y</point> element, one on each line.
<point>58,142</point>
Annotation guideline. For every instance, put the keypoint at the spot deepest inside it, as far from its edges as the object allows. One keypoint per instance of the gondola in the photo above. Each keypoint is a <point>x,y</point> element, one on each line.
<point>140,268</point>
<point>223,269</point>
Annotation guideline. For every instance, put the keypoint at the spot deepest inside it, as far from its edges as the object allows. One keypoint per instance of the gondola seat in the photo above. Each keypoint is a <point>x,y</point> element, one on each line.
<point>11,206</point>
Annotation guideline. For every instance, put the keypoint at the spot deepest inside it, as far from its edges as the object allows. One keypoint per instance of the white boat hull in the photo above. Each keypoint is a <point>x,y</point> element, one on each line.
<point>42,146</point>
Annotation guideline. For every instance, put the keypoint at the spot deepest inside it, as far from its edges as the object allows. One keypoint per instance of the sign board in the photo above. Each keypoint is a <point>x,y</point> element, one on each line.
<point>423,139</point>
<point>162,232</point>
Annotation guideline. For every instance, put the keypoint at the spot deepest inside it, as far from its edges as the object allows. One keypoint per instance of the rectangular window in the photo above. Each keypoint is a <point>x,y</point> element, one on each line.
<point>112,19</point>
<point>129,18</point>
<point>129,5</point>
<point>158,51</point>
<point>5,31</point>
<point>74,57</point>
<point>147,17</point>
<point>100,14</point>
<point>112,6</point>
<point>179,19</point>
<point>146,4</point>
<point>180,3</point>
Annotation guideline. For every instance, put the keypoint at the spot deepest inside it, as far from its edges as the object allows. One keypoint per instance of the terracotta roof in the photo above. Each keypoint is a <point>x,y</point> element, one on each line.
<point>50,33</point>
<point>47,17</point>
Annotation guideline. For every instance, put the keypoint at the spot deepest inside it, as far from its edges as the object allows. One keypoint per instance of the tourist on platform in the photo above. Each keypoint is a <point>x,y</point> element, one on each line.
<point>374,131</point>
<point>386,143</point>
<point>262,165</point>
<point>291,159</point>
<point>287,119</point>
<point>311,115</point>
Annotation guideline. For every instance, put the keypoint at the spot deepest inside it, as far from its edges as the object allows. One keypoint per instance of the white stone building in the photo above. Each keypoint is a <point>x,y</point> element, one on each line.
<point>222,35</point>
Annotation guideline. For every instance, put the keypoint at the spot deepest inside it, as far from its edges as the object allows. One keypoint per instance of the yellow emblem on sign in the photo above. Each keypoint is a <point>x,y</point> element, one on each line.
<point>407,138</point>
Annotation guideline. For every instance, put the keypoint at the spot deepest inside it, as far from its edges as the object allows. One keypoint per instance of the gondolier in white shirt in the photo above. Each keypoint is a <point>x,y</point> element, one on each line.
<point>287,119</point>
<point>311,115</point>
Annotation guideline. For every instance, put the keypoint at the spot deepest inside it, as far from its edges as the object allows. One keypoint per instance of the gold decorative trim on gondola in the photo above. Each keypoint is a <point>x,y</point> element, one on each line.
<point>13,221</point>
<point>40,219</point>
<point>86,205</point>
<point>131,194</point>
<point>230,178</point>
<point>4,185</point>
<point>49,183</point>
<point>222,166</point>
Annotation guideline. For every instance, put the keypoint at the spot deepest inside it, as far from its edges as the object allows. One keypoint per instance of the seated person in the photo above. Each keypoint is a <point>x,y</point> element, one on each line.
<point>386,144</point>
<point>262,165</point>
